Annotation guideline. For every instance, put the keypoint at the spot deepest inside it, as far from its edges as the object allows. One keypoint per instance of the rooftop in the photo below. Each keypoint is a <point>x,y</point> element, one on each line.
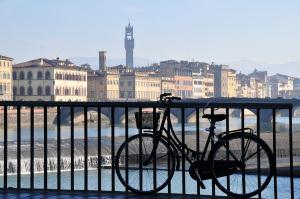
<point>6,58</point>
<point>43,62</point>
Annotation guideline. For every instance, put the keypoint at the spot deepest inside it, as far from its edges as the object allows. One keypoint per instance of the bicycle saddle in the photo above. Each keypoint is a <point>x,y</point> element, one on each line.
<point>215,117</point>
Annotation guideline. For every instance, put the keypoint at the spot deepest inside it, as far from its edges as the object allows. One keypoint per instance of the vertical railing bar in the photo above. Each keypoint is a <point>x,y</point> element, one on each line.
<point>258,154</point>
<point>31,147</point>
<point>154,156</point>
<point>126,149</point>
<point>183,149</point>
<point>113,148</point>
<point>18,147</point>
<point>274,152</point>
<point>58,149</point>
<point>99,149</point>
<point>213,189</point>
<point>5,149</point>
<point>198,144</point>
<point>291,152</point>
<point>243,144</point>
<point>45,149</point>
<point>169,158</point>
<point>72,147</point>
<point>140,151</point>
<point>227,146</point>
<point>85,149</point>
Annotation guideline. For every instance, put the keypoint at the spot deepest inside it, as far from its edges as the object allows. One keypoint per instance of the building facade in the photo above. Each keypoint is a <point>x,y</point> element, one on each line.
<point>224,81</point>
<point>103,85</point>
<point>49,80</point>
<point>6,93</point>
<point>198,86</point>
<point>182,76</point>
<point>139,86</point>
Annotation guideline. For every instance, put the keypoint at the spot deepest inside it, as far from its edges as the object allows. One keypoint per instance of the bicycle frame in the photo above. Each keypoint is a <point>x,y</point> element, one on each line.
<point>177,145</point>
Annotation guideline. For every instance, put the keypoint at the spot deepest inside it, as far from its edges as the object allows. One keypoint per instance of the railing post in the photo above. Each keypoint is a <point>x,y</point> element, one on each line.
<point>45,149</point>
<point>85,149</point>
<point>72,147</point>
<point>274,152</point>
<point>5,149</point>
<point>291,152</point>
<point>99,147</point>
<point>31,147</point>
<point>58,150</point>
<point>18,147</point>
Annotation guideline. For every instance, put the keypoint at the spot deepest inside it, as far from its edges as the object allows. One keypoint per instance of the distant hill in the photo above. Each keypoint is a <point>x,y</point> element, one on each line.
<point>93,61</point>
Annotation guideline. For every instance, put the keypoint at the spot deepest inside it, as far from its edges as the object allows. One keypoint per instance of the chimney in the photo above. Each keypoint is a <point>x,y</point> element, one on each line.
<point>102,60</point>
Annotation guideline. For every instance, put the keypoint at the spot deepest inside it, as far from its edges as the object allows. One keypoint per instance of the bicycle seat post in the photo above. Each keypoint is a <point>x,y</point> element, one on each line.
<point>212,126</point>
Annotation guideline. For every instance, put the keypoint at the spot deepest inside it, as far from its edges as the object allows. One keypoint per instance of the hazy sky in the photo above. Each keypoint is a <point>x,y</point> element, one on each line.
<point>214,30</point>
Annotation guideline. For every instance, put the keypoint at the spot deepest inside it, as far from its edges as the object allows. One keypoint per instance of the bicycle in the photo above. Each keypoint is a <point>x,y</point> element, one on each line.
<point>146,162</point>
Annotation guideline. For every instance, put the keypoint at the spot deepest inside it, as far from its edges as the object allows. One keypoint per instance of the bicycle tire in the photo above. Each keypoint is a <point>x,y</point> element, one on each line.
<point>258,142</point>
<point>170,170</point>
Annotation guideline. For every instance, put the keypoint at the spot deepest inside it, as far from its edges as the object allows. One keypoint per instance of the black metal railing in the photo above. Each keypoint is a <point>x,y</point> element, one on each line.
<point>118,129</point>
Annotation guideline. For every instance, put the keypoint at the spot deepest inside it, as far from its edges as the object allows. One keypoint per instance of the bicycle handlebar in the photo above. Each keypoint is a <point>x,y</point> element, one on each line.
<point>168,96</point>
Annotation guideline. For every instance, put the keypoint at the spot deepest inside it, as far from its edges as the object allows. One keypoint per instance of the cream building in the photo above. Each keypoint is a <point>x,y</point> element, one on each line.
<point>6,78</point>
<point>139,86</point>
<point>168,85</point>
<point>231,83</point>
<point>224,81</point>
<point>103,85</point>
<point>209,85</point>
<point>198,86</point>
<point>49,80</point>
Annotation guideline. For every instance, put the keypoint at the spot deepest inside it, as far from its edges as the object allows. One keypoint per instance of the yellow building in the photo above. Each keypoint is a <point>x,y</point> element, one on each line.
<point>139,86</point>
<point>49,80</point>
<point>5,78</point>
<point>103,85</point>
<point>231,78</point>
<point>168,85</point>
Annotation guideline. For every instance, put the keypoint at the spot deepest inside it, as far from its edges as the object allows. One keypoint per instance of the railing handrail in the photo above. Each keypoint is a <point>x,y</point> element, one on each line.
<point>144,104</point>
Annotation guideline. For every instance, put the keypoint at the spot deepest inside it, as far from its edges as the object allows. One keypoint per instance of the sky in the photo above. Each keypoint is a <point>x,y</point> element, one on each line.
<point>221,31</point>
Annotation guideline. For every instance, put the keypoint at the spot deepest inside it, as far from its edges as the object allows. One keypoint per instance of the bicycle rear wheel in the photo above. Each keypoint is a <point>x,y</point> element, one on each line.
<point>143,177</point>
<point>242,179</point>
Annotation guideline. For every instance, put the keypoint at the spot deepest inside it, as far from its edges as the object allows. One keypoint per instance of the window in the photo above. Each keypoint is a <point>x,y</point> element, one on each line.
<point>29,90</point>
<point>40,75</point>
<point>48,90</point>
<point>57,91</point>
<point>22,90</point>
<point>22,75</point>
<point>76,92</point>
<point>15,91</point>
<point>40,90</point>
<point>29,75</point>
<point>4,75</point>
<point>47,75</point>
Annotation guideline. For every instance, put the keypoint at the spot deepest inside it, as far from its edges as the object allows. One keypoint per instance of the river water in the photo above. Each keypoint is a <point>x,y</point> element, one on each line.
<point>191,187</point>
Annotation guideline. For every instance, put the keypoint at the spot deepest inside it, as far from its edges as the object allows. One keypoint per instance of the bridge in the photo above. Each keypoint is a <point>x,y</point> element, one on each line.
<point>190,113</point>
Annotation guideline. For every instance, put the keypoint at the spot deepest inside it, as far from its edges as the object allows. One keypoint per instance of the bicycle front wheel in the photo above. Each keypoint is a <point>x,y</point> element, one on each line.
<point>137,171</point>
<point>242,165</point>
